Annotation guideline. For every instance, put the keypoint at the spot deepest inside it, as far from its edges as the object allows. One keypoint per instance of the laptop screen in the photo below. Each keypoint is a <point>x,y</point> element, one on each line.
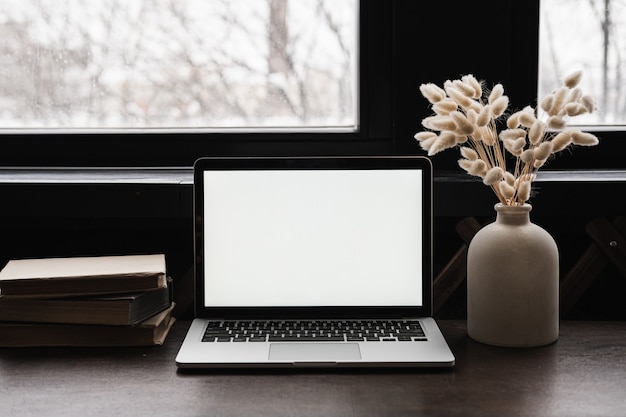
<point>337,233</point>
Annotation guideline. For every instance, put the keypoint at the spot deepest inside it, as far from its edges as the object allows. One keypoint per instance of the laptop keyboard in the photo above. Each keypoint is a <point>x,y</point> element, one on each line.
<point>314,331</point>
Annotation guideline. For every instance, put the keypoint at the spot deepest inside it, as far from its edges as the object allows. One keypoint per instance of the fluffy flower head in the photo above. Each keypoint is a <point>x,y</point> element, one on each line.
<point>468,116</point>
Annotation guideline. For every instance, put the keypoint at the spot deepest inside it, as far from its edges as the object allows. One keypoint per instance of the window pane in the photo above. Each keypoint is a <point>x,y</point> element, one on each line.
<point>588,35</point>
<point>178,64</point>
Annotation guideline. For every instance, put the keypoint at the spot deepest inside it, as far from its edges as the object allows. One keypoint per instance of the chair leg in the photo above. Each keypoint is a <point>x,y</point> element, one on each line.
<point>454,272</point>
<point>608,246</point>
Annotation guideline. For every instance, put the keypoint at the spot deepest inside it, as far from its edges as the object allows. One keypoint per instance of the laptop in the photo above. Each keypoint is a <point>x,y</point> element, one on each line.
<point>313,262</point>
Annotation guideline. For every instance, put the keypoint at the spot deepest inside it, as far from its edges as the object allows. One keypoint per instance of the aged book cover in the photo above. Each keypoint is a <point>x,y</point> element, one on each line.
<point>115,309</point>
<point>151,332</point>
<point>58,277</point>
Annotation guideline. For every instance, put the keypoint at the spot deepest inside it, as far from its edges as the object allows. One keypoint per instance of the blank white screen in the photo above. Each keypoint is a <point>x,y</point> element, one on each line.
<point>313,238</point>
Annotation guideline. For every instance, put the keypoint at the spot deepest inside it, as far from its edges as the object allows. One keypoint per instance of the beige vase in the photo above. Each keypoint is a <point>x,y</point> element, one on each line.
<point>513,282</point>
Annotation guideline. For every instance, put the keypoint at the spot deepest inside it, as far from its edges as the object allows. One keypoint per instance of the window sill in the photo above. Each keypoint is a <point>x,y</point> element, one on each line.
<point>167,193</point>
<point>164,176</point>
<point>184,175</point>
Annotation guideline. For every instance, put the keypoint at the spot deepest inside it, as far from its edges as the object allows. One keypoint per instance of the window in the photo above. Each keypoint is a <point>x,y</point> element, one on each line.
<point>179,64</point>
<point>588,35</point>
<point>163,82</point>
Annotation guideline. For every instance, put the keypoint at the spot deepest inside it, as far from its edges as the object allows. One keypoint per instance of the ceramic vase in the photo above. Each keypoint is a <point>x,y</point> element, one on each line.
<point>513,282</point>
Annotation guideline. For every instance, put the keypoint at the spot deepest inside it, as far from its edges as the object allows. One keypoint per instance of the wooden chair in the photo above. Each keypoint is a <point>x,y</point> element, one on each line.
<point>608,246</point>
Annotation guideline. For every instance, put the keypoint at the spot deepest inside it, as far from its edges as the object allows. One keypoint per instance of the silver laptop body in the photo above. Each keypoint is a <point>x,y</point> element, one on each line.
<point>313,242</point>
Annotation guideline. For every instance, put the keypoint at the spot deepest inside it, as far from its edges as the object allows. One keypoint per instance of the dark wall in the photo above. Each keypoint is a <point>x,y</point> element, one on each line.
<point>428,42</point>
<point>437,41</point>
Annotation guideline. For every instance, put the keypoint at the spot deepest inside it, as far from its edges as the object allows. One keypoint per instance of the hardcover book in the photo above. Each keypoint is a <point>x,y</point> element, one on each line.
<point>115,309</point>
<point>59,277</point>
<point>151,332</point>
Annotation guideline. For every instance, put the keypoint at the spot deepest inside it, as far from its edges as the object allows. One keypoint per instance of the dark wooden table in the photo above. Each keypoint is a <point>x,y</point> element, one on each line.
<point>583,374</point>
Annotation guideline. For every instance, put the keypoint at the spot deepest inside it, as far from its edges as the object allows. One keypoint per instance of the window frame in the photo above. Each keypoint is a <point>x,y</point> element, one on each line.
<point>399,50</point>
<point>160,147</point>
<point>607,155</point>
<point>498,42</point>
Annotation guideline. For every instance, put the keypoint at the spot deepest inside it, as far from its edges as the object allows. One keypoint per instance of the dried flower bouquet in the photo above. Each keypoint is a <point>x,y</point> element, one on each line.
<point>467,119</point>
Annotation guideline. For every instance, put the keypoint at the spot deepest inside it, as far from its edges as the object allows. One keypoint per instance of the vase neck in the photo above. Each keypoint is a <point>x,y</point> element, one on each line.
<point>513,215</point>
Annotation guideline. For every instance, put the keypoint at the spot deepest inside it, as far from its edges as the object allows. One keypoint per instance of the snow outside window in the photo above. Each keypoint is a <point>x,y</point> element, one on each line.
<point>179,64</point>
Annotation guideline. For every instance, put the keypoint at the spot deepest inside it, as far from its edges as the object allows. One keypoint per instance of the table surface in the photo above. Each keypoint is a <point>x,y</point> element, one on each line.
<point>583,374</point>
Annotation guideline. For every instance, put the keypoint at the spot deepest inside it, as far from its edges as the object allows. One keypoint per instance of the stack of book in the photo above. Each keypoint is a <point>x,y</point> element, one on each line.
<point>85,301</point>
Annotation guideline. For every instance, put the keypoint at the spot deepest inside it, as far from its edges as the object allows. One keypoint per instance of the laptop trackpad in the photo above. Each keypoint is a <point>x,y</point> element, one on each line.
<point>314,351</point>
